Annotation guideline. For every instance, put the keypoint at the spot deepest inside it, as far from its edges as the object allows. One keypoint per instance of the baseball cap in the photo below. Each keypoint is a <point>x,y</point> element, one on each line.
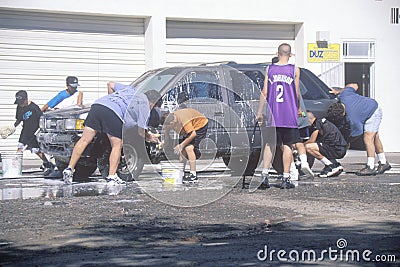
<point>72,81</point>
<point>20,97</point>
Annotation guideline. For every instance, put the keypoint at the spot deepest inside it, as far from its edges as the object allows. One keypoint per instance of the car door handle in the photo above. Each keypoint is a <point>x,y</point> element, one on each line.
<point>218,114</point>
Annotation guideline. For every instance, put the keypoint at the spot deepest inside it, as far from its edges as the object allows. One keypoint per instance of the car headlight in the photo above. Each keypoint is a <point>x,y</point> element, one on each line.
<point>69,124</point>
<point>74,124</point>
<point>41,123</point>
<point>79,124</point>
<point>50,124</point>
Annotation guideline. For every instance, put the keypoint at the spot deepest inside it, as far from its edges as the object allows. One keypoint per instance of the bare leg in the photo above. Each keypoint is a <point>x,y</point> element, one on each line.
<point>116,146</point>
<point>313,150</point>
<point>267,157</point>
<point>300,148</point>
<point>87,136</point>
<point>287,158</point>
<point>369,140</point>
<point>378,144</point>
<point>191,156</point>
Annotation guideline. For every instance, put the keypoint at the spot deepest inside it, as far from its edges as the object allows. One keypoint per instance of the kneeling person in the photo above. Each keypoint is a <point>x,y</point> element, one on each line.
<point>326,144</point>
<point>191,125</point>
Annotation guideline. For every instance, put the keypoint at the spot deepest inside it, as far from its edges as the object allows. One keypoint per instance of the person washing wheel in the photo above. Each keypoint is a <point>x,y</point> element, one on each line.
<point>107,115</point>
<point>364,115</point>
<point>192,126</point>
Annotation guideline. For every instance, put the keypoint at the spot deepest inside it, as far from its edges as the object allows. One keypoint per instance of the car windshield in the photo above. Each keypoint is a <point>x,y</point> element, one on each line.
<point>155,79</point>
<point>311,87</point>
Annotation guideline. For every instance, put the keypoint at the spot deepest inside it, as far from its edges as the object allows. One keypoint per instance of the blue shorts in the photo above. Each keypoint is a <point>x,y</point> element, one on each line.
<point>372,124</point>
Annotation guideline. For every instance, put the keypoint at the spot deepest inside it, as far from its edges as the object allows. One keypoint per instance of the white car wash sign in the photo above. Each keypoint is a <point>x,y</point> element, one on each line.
<point>330,54</point>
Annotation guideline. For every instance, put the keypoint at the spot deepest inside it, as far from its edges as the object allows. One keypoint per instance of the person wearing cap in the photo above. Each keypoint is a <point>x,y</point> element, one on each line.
<point>29,114</point>
<point>61,98</point>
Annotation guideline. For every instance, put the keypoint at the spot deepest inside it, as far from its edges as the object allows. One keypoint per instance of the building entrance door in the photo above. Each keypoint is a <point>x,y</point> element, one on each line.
<point>359,73</point>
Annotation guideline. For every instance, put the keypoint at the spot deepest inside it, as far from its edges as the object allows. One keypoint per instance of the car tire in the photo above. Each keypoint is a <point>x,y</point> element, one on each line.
<point>61,165</point>
<point>131,164</point>
<point>236,164</point>
<point>129,168</point>
<point>83,170</point>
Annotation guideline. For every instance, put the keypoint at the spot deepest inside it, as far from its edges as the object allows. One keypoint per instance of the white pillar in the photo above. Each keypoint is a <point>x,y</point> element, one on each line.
<point>301,47</point>
<point>155,42</point>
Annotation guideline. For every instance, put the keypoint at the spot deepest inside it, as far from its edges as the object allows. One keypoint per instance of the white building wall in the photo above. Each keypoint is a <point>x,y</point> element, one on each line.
<point>344,19</point>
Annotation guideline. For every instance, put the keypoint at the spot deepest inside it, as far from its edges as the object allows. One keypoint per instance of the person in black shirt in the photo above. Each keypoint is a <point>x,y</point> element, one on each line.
<point>29,114</point>
<point>326,144</point>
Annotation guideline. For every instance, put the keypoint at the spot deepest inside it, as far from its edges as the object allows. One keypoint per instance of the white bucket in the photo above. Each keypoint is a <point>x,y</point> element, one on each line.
<point>11,164</point>
<point>172,173</point>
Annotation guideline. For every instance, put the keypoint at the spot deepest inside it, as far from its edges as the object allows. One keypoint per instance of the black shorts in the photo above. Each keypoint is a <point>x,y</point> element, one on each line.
<point>332,151</point>
<point>287,136</point>
<point>104,120</point>
<point>304,133</point>
<point>200,135</point>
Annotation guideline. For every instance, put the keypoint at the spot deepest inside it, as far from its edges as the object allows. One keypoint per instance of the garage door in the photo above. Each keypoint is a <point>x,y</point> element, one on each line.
<point>200,42</point>
<point>38,51</point>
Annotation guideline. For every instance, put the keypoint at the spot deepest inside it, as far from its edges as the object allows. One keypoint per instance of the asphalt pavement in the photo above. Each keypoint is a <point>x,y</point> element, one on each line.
<point>353,161</point>
<point>346,220</point>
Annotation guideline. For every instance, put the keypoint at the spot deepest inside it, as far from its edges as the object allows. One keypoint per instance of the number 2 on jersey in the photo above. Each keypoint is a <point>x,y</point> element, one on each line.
<point>279,96</point>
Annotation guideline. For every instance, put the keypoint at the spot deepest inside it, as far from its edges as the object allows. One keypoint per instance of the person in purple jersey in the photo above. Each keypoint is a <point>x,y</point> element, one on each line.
<point>281,91</point>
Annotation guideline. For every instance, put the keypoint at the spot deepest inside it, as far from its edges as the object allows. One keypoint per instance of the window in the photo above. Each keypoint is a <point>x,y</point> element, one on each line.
<point>243,86</point>
<point>394,15</point>
<point>196,86</point>
<point>311,87</point>
<point>359,50</point>
<point>155,79</point>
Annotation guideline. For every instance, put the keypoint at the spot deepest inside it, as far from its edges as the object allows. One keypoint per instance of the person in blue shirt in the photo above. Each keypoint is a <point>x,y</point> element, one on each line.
<point>72,89</point>
<point>365,116</point>
<point>108,115</point>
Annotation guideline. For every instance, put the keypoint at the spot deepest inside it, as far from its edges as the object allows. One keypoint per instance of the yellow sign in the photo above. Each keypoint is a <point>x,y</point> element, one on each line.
<point>330,54</point>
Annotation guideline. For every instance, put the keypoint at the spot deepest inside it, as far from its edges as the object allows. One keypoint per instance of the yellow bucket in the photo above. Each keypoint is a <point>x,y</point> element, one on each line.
<point>172,173</point>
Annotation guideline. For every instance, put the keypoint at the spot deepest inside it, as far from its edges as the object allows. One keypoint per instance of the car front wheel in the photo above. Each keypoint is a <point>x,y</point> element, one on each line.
<point>243,165</point>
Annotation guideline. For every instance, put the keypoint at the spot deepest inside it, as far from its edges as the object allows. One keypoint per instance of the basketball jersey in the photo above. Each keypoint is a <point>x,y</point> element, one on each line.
<point>281,96</point>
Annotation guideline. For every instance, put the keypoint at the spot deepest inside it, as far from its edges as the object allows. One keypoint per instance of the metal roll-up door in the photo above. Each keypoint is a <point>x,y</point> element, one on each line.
<point>39,50</point>
<point>200,42</point>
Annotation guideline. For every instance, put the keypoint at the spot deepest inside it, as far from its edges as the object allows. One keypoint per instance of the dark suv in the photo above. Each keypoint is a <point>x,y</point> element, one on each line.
<point>228,94</point>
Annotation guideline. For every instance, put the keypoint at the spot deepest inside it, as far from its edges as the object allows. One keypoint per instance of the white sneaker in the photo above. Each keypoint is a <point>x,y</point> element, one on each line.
<point>294,174</point>
<point>305,168</point>
<point>68,175</point>
<point>114,180</point>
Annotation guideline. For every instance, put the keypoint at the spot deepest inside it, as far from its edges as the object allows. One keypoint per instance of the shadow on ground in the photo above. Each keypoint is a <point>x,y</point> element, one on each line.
<point>162,242</point>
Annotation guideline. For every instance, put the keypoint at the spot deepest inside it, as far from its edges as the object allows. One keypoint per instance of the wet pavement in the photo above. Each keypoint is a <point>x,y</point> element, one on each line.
<point>214,177</point>
<point>46,223</point>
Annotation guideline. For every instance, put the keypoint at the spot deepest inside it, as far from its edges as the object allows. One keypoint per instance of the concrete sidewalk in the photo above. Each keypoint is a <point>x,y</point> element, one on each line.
<point>352,162</point>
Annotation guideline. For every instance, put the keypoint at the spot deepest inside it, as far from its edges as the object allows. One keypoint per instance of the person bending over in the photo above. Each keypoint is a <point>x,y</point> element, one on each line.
<point>191,125</point>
